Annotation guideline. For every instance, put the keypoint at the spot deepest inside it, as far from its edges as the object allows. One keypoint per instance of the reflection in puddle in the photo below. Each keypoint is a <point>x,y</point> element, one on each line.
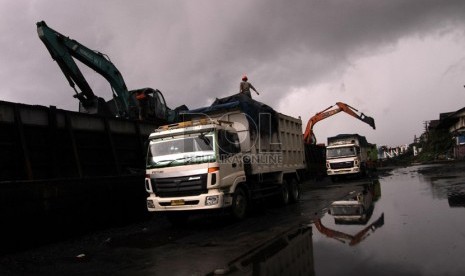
<point>447,181</point>
<point>356,209</point>
<point>450,183</point>
<point>423,235</point>
<point>290,253</point>
<point>456,199</point>
<point>352,239</point>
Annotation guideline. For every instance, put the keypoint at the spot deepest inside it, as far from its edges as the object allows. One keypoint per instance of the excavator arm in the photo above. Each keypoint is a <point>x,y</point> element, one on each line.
<point>309,136</point>
<point>63,50</point>
<point>351,239</point>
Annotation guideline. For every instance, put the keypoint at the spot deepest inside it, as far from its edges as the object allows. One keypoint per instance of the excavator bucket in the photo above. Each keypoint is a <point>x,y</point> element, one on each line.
<point>369,120</point>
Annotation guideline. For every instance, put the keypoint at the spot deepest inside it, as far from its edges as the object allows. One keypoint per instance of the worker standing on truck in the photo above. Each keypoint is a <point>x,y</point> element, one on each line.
<point>246,86</point>
<point>143,102</point>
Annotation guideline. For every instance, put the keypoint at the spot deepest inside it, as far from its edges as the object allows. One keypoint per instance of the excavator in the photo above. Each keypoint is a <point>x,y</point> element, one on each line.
<point>309,136</point>
<point>125,103</point>
<point>350,213</point>
<point>351,239</point>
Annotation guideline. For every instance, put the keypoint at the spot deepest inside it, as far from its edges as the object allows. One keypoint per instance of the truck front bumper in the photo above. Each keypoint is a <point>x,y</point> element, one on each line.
<point>213,200</point>
<point>343,171</point>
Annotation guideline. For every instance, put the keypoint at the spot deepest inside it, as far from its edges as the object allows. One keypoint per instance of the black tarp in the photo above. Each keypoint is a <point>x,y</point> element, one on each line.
<point>362,140</point>
<point>259,115</point>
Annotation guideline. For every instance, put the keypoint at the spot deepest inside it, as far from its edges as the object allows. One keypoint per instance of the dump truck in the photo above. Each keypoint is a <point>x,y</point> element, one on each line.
<point>348,154</point>
<point>224,156</point>
<point>316,153</point>
<point>357,208</point>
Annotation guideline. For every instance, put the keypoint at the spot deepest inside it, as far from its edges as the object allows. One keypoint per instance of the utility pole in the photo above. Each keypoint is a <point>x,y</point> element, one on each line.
<point>426,130</point>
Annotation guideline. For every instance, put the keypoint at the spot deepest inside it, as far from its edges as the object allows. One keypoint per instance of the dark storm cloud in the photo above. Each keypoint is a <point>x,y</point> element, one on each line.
<point>197,50</point>
<point>294,43</point>
<point>205,46</point>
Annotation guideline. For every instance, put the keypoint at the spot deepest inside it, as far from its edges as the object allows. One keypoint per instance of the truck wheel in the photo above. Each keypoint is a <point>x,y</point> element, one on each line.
<point>294,187</point>
<point>177,218</point>
<point>240,204</point>
<point>284,196</point>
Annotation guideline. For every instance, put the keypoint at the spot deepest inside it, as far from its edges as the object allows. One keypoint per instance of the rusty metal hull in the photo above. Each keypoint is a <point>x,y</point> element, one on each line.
<point>62,172</point>
<point>38,142</point>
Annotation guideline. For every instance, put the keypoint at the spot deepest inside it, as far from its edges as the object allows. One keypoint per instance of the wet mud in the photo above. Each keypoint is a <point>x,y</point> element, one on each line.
<point>408,221</point>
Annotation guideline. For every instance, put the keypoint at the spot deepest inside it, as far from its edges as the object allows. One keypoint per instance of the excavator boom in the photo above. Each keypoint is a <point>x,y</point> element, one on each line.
<point>149,106</point>
<point>309,136</point>
<point>351,239</point>
<point>63,50</point>
<point>352,111</point>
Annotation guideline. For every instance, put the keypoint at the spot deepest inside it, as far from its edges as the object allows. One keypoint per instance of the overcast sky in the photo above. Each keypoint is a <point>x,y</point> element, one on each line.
<point>400,61</point>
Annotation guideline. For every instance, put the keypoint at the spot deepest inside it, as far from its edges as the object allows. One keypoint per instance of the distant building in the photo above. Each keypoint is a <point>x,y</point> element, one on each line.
<point>455,123</point>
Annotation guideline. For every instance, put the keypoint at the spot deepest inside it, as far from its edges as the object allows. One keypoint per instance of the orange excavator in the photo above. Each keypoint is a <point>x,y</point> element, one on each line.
<point>351,239</point>
<point>309,136</point>
<point>356,209</point>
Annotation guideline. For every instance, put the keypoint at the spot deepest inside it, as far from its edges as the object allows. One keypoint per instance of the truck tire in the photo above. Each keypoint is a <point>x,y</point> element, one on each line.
<point>284,196</point>
<point>240,204</point>
<point>294,190</point>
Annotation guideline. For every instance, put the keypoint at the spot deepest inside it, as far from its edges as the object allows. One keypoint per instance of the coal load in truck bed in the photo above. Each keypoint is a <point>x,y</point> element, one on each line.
<point>361,139</point>
<point>254,110</point>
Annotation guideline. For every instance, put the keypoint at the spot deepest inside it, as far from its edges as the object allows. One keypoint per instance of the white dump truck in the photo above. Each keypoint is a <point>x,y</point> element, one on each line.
<point>224,156</point>
<point>355,209</point>
<point>348,154</point>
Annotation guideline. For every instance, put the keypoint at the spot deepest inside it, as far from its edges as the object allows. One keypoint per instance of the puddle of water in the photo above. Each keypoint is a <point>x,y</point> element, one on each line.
<point>413,228</point>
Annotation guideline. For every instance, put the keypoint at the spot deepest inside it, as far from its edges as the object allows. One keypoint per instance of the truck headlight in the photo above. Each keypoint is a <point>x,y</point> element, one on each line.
<point>212,200</point>
<point>150,204</point>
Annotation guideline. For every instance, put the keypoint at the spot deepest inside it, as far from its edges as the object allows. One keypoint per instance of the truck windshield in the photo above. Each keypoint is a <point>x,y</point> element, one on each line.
<point>168,152</point>
<point>340,152</point>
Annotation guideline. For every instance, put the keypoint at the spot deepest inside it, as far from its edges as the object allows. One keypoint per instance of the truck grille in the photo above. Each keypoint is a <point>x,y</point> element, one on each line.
<point>342,165</point>
<point>180,186</point>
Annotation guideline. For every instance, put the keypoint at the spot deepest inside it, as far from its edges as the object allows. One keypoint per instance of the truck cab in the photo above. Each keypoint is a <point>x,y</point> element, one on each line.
<point>193,165</point>
<point>347,154</point>
<point>358,206</point>
<point>343,159</point>
<point>357,209</point>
